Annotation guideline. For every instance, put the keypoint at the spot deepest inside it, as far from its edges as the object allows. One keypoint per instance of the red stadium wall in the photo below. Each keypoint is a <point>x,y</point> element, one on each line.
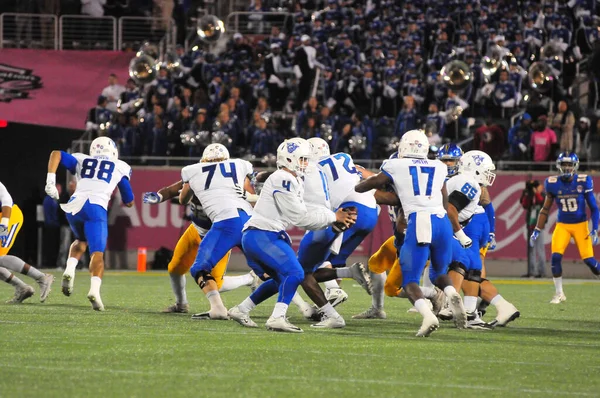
<point>156,226</point>
<point>61,86</point>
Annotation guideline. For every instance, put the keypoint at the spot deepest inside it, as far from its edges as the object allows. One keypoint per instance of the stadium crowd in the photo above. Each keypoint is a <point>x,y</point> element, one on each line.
<point>378,76</point>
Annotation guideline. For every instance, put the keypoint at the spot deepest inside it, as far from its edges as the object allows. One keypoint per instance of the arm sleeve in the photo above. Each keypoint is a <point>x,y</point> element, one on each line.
<point>5,198</point>
<point>491,215</point>
<point>296,211</point>
<point>458,200</point>
<point>125,190</point>
<point>68,161</point>
<point>591,201</point>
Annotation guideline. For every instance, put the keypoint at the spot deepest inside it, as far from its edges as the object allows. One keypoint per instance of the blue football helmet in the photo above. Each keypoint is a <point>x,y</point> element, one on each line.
<point>567,163</point>
<point>450,152</point>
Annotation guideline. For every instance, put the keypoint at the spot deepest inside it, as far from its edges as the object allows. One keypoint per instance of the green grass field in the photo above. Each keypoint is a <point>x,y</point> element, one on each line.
<point>64,349</point>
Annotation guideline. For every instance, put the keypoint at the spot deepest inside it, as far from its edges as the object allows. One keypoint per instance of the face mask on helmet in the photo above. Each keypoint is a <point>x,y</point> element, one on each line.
<point>567,169</point>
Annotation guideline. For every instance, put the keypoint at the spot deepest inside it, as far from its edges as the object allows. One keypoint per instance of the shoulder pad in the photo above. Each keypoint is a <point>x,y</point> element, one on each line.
<point>581,177</point>
<point>552,180</point>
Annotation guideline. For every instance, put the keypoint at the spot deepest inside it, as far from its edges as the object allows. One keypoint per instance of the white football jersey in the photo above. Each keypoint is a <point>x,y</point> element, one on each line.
<point>316,190</point>
<point>97,178</point>
<point>281,205</point>
<point>342,177</point>
<point>418,184</point>
<point>468,186</point>
<point>214,184</point>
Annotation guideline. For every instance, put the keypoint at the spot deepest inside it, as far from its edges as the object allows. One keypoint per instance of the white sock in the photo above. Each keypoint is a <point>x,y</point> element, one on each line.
<point>423,307</point>
<point>498,299</point>
<point>95,283</point>
<point>325,264</point>
<point>302,305</point>
<point>247,305</point>
<point>332,284</point>
<point>344,272</point>
<point>470,303</point>
<point>428,292</point>
<point>178,283</point>
<point>329,311</point>
<point>449,290</point>
<point>280,310</point>
<point>558,285</point>
<point>216,304</point>
<point>426,281</point>
<point>71,265</point>
<point>233,282</point>
<point>377,282</point>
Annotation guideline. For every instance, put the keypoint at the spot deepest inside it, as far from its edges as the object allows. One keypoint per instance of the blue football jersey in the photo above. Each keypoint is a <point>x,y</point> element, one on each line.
<point>570,197</point>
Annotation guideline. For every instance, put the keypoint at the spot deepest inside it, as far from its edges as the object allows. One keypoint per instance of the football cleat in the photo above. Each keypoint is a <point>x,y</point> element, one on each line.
<point>558,298</point>
<point>371,313</point>
<point>336,296</point>
<point>429,325</point>
<point>445,313</point>
<point>177,308</point>
<point>207,316</point>
<point>243,318</point>
<point>312,314</point>
<point>67,284</point>
<point>506,313</point>
<point>330,323</point>
<point>458,310</point>
<point>281,324</point>
<point>438,302</point>
<point>255,282</point>
<point>360,274</point>
<point>21,294</point>
<point>96,302</point>
<point>475,322</point>
<point>45,286</point>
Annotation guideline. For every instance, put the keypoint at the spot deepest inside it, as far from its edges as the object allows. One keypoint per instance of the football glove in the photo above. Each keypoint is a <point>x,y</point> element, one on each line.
<point>463,239</point>
<point>51,186</point>
<point>152,198</point>
<point>492,241</point>
<point>534,235</point>
<point>594,235</point>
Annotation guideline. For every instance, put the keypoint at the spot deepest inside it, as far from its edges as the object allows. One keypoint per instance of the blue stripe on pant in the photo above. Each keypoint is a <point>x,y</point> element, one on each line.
<point>273,253</point>
<point>222,237</point>
<point>90,225</point>
<point>314,247</point>
<point>413,256</point>
<point>478,229</point>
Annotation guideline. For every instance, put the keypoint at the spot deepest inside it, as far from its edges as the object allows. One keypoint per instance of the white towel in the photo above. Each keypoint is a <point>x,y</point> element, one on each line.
<point>75,204</point>
<point>336,245</point>
<point>423,227</point>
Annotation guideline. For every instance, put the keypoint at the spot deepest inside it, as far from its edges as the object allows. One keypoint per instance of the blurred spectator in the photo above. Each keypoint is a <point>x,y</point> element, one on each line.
<point>310,129</point>
<point>158,137</point>
<point>310,110</point>
<point>543,139</point>
<point>519,138</point>
<point>229,126</point>
<point>98,117</point>
<point>118,132</point>
<point>583,135</point>
<point>434,121</point>
<point>532,199</point>
<point>51,231</point>
<point>562,122</point>
<point>256,25</point>
<point>278,92</point>
<point>304,68</point>
<point>264,140</point>
<point>489,138</point>
<point>593,144</point>
<point>93,8</point>
<point>357,138</point>
<point>113,92</point>
<point>408,118</point>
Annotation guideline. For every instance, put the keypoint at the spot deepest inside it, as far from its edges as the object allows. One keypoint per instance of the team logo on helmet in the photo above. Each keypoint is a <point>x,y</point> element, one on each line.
<point>292,146</point>
<point>478,159</point>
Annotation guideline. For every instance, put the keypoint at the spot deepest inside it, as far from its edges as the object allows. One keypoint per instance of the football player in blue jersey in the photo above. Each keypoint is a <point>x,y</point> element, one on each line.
<point>571,192</point>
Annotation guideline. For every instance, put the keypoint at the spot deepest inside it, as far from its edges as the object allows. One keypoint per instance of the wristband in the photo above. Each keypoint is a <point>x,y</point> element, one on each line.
<point>51,178</point>
<point>5,221</point>
<point>460,235</point>
<point>251,197</point>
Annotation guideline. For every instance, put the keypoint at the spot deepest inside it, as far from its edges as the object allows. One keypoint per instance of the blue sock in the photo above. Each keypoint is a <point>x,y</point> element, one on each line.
<point>593,264</point>
<point>289,285</point>
<point>557,264</point>
<point>266,290</point>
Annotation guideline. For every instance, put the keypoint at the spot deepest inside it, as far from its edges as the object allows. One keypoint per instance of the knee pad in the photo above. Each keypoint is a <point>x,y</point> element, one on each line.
<point>458,268</point>
<point>474,275</point>
<point>202,277</point>
<point>593,265</point>
<point>557,264</point>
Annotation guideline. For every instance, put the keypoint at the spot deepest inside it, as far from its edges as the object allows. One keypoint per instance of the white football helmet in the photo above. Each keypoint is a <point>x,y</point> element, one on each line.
<point>215,153</point>
<point>480,165</point>
<point>104,146</point>
<point>414,144</point>
<point>293,154</point>
<point>319,148</point>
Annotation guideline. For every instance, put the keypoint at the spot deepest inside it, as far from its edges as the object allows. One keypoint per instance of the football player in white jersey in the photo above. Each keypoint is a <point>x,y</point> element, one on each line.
<point>11,221</point>
<point>472,231</point>
<point>187,248</point>
<point>420,186</point>
<point>266,243</point>
<point>215,182</point>
<point>98,174</point>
